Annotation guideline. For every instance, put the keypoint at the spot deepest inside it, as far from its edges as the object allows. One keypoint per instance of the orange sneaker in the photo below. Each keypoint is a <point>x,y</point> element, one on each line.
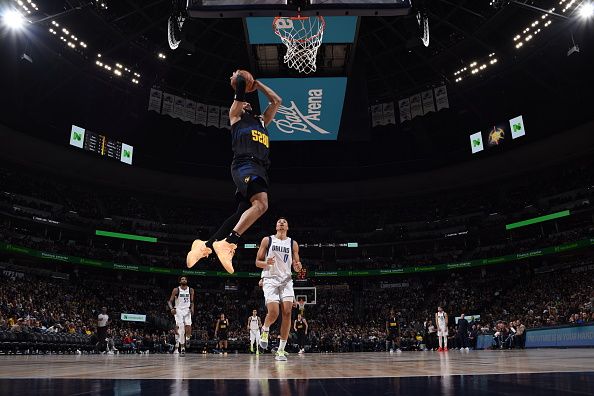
<point>198,252</point>
<point>225,251</point>
<point>440,349</point>
<point>445,349</point>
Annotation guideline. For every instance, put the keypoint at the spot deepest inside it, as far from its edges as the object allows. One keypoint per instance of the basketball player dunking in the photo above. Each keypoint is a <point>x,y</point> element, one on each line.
<point>183,296</point>
<point>441,319</point>
<point>250,144</point>
<point>277,254</point>
<point>254,325</point>
<point>222,332</point>
<point>300,326</point>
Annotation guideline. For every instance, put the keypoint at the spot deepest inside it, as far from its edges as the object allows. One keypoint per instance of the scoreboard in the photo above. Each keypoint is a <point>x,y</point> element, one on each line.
<point>101,144</point>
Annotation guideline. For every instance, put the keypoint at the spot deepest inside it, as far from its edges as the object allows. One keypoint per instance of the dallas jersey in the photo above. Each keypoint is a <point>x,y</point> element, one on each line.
<point>182,301</point>
<point>254,323</point>
<point>249,139</point>
<point>442,326</point>
<point>282,252</point>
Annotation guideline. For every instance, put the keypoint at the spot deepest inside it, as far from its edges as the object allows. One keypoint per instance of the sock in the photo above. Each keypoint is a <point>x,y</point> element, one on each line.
<point>265,329</point>
<point>282,344</point>
<point>233,237</point>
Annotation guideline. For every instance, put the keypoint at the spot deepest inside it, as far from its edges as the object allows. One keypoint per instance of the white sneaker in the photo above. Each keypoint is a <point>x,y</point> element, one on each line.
<point>301,351</point>
<point>110,353</point>
<point>398,350</point>
<point>176,352</point>
<point>467,349</point>
<point>391,350</point>
<point>281,356</point>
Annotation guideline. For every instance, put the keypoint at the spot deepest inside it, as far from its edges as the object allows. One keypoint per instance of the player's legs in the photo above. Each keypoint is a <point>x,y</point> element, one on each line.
<point>273,309</point>
<point>187,319</point>
<point>259,206</point>
<point>201,249</point>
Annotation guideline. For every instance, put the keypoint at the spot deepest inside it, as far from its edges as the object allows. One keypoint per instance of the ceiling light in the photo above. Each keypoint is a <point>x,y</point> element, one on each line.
<point>586,10</point>
<point>13,19</point>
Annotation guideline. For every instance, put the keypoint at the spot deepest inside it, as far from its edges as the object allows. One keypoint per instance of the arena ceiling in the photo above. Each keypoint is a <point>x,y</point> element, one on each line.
<point>51,80</point>
<point>394,60</point>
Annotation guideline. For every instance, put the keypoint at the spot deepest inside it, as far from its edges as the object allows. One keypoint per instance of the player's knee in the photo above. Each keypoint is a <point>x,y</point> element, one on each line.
<point>261,205</point>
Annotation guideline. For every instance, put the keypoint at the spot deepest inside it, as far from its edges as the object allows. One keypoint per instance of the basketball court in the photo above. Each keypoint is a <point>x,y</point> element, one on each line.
<point>539,372</point>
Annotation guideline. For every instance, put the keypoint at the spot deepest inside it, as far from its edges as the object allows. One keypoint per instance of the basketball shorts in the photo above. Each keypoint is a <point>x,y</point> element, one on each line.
<point>250,178</point>
<point>254,336</point>
<point>442,331</point>
<point>183,317</point>
<point>275,291</point>
<point>223,335</point>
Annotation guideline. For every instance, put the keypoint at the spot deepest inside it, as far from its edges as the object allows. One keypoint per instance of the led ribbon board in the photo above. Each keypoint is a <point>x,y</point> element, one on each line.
<point>535,220</point>
<point>311,109</point>
<point>125,236</point>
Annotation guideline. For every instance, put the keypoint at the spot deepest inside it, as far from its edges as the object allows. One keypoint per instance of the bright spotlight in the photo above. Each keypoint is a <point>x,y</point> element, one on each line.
<point>587,10</point>
<point>13,19</point>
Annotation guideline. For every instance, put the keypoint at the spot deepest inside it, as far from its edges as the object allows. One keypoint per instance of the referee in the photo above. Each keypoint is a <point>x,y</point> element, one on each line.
<point>102,321</point>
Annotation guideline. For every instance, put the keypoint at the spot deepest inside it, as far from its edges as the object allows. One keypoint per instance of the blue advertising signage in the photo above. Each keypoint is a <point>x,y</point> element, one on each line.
<point>574,336</point>
<point>339,29</point>
<point>311,109</point>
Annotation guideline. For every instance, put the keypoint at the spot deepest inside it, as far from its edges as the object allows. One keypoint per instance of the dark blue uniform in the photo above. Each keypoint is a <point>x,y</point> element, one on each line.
<point>251,146</point>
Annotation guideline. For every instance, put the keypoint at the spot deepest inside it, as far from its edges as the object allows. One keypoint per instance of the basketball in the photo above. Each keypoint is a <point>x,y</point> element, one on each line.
<point>250,86</point>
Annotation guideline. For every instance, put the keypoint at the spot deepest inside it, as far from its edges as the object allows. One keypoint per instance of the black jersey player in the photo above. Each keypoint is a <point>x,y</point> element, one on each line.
<point>249,170</point>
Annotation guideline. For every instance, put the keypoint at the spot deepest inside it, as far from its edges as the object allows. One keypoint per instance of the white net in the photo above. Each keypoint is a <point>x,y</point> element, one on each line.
<point>302,36</point>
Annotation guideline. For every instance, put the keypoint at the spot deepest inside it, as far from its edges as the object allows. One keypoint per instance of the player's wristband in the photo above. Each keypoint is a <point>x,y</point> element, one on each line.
<point>240,85</point>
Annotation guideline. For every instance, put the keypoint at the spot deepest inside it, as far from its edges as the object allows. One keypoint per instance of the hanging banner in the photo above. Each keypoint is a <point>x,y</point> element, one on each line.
<point>427,97</point>
<point>416,108</point>
<point>404,107</point>
<point>155,100</point>
<point>179,108</point>
<point>224,123</point>
<point>389,114</point>
<point>167,104</point>
<point>441,98</point>
<point>201,113</point>
<point>377,117</point>
<point>213,116</point>
<point>190,112</point>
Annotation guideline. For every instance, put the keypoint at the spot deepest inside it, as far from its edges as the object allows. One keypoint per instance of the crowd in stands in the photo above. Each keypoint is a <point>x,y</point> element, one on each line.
<point>350,315</point>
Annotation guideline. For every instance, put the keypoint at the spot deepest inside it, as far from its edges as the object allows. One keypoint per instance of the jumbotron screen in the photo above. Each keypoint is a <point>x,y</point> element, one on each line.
<point>100,144</point>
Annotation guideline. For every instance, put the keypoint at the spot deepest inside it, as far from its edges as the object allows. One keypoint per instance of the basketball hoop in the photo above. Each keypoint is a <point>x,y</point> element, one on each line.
<point>302,36</point>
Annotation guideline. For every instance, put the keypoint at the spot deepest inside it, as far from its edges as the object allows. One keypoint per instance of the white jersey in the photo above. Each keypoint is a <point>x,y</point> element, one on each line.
<point>441,321</point>
<point>182,301</point>
<point>254,323</point>
<point>282,251</point>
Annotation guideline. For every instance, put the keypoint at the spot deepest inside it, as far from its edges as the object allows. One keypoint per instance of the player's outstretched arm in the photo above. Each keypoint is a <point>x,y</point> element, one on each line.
<point>261,261</point>
<point>238,100</point>
<point>296,259</point>
<point>171,300</point>
<point>273,98</point>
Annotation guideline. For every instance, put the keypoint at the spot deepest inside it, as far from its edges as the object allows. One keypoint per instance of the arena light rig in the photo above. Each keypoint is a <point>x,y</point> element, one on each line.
<point>475,67</point>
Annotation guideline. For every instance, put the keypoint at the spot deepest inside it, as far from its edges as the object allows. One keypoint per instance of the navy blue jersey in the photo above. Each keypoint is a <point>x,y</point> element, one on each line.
<point>249,139</point>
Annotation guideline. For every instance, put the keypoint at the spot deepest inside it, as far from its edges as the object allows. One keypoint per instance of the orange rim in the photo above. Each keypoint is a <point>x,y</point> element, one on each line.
<point>300,18</point>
